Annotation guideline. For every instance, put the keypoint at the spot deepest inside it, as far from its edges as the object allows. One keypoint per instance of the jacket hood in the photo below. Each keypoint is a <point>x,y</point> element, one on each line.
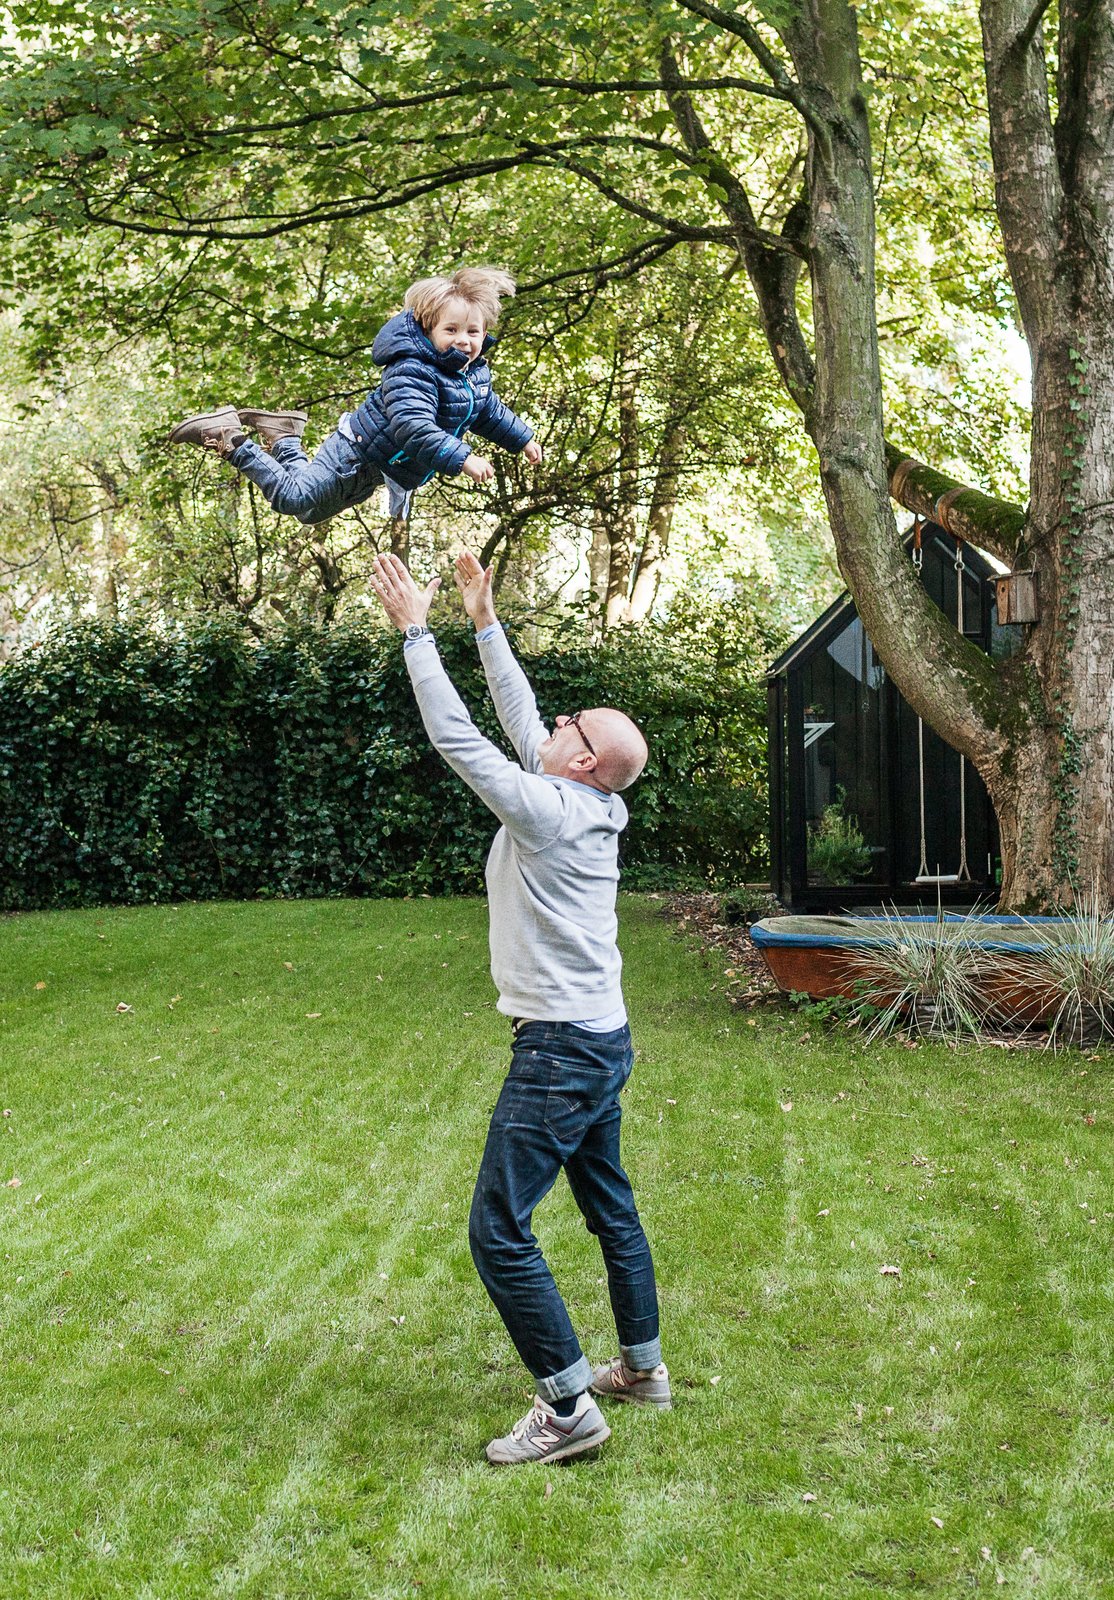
<point>403,336</point>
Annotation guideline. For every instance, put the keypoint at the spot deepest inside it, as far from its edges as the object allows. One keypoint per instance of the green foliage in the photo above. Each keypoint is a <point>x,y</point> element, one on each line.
<point>198,764</point>
<point>1071,967</point>
<point>837,850</point>
<point>926,976</point>
<point>746,904</point>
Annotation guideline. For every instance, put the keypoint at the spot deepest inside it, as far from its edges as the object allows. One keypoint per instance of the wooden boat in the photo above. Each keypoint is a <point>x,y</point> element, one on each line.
<point>821,956</point>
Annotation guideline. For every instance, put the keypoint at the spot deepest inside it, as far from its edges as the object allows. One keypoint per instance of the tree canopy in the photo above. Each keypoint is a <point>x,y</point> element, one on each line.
<point>882,192</point>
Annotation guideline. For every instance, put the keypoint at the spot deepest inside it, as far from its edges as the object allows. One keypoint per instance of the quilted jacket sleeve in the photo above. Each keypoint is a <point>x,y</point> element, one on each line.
<point>409,396</point>
<point>498,424</point>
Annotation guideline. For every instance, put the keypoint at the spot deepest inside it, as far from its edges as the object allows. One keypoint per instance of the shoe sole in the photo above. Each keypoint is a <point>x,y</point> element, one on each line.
<point>218,419</point>
<point>632,1399</point>
<point>262,419</point>
<point>578,1447</point>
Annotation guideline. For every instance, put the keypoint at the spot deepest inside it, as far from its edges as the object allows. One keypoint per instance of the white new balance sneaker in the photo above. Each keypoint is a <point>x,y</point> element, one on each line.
<point>541,1435</point>
<point>618,1382</point>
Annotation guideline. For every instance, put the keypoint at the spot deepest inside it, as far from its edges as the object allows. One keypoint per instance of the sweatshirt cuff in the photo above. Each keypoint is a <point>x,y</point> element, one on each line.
<point>422,657</point>
<point>484,634</point>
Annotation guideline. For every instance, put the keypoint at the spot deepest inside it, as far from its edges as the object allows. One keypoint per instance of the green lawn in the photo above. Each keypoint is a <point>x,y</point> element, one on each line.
<point>244,1351</point>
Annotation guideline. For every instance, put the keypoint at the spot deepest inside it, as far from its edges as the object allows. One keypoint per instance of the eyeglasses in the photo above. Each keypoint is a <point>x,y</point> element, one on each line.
<point>574,722</point>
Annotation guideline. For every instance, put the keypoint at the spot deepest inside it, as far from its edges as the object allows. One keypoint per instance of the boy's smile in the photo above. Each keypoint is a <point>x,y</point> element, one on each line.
<point>459,327</point>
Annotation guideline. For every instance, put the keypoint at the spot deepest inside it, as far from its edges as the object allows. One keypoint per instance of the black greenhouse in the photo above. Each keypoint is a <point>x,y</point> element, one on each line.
<point>867,803</point>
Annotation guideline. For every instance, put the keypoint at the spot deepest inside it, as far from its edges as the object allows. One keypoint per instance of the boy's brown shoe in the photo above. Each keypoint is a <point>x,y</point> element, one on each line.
<point>214,430</point>
<point>272,425</point>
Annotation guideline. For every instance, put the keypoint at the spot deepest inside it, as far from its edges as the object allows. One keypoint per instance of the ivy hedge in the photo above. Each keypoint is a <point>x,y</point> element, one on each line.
<point>142,766</point>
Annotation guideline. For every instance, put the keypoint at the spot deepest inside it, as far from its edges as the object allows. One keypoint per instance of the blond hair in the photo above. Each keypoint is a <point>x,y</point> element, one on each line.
<point>482,287</point>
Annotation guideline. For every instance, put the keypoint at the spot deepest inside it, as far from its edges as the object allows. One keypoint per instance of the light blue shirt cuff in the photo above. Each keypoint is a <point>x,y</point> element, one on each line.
<point>489,632</point>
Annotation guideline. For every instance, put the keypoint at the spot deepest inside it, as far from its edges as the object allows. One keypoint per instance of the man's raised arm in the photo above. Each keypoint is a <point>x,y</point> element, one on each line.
<point>511,694</point>
<point>532,809</point>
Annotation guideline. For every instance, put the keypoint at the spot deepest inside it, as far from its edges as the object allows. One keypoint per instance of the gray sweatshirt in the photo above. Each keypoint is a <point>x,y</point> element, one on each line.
<point>553,868</point>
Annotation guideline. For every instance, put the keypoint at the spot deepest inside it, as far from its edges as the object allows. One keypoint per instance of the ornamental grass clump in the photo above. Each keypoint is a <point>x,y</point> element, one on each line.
<point>925,976</point>
<point>1071,969</point>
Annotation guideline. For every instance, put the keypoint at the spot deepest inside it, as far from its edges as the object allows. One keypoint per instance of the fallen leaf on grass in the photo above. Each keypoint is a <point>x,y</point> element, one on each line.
<point>716,1379</point>
<point>40,985</point>
<point>890,1272</point>
<point>825,1213</point>
<point>289,965</point>
<point>935,1521</point>
<point>15,1183</point>
<point>313,1015</point>
<point>786,1105</point>
<point>123,1006</point>
<point>548,1490</point>
<point>808,1498</point>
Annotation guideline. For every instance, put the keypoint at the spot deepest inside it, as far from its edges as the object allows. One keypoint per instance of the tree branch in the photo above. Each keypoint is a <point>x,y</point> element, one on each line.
<point>745,30</point>
<point>773,262</point>
<point>1027,180</point>
<point>473,88</point>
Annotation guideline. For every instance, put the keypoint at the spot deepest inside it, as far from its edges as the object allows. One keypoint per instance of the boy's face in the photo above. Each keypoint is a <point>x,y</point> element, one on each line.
<point>459,327</point>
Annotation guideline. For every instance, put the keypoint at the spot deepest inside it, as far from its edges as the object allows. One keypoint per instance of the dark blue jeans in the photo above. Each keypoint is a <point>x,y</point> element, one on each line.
<point>314,490</point>
<point>559,1107</point>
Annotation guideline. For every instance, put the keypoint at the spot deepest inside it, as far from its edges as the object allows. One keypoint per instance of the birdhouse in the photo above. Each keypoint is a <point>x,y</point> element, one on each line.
<point>1016,594</point>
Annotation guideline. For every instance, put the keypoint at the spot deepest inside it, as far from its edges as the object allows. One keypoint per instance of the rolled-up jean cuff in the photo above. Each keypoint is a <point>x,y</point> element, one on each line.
<point>573,1380</point>
<point>641,1357</point>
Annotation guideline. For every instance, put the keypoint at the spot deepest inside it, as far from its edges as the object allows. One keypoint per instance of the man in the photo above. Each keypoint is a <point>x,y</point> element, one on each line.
<point>552,875</point>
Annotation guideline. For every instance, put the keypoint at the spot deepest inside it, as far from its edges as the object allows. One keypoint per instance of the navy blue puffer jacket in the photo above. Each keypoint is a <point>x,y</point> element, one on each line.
<point>412,425</point>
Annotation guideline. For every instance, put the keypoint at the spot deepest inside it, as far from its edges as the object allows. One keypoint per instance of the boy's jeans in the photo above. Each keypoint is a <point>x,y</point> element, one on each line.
<point>559,1107</point>
<point>314,490</point>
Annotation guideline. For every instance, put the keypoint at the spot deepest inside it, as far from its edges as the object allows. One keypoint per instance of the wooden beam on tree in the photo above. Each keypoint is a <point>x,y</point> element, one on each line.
<point>992,525</point>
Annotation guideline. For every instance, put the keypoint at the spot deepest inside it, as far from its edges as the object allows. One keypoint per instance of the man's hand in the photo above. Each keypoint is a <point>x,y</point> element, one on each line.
<point>474,584</point>
<point>478,468</point>
<point>402,600</point>
<point>533,453</point>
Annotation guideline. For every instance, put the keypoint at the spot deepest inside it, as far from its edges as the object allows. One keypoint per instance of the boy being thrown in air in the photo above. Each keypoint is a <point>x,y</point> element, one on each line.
<point>436,385</point>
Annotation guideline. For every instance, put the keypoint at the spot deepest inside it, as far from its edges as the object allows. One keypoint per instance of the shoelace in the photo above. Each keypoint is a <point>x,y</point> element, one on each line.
<point>534,1416</point>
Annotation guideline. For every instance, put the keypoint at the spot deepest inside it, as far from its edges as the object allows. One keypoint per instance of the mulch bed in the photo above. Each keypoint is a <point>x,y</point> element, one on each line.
<point>746,977</point>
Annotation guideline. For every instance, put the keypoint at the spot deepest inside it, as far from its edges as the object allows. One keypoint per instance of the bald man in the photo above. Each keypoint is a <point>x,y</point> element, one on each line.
<point>552,875</point>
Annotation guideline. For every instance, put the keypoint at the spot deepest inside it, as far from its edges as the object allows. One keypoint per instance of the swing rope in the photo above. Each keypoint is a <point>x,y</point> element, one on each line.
<point>964,873</point>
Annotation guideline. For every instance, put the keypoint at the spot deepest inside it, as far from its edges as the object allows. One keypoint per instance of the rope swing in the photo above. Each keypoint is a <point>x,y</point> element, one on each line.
<point>963,875</point>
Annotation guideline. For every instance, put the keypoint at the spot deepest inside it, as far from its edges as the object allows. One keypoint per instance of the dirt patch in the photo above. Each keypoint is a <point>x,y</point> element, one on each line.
<point>746,977</point>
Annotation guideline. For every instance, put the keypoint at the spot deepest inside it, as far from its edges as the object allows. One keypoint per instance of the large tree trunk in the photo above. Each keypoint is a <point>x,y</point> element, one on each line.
<point>1055,197</point>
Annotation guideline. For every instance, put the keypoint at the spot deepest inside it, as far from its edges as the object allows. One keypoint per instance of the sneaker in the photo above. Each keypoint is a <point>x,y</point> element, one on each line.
<point>272,425</point>
<point>618,1382</point>
<point>543,1436</point>
<point>215,430</point>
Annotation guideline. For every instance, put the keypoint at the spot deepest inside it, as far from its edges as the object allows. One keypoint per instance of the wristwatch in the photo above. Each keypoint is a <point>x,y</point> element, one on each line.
<point>414,630</point>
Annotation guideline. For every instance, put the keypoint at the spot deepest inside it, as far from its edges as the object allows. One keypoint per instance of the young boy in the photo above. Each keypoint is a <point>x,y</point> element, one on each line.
<point>436,385</point>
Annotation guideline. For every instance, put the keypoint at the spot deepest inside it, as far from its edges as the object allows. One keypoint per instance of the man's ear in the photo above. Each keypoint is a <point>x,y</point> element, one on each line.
<point>584,761</point>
